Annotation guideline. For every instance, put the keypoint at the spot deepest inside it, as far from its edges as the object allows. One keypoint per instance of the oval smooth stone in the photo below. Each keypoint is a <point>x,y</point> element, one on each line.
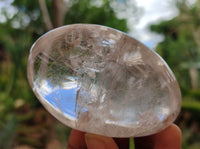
<point>100,80</point>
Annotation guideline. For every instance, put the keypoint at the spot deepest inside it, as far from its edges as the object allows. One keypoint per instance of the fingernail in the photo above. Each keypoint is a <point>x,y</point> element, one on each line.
<point>95,141</point>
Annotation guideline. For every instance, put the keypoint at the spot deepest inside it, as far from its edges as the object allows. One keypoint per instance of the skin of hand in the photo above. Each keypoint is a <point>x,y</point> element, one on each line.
<point>170,138</point>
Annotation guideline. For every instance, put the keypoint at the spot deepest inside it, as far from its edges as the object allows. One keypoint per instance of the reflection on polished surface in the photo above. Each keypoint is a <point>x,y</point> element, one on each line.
<point>100,80</point>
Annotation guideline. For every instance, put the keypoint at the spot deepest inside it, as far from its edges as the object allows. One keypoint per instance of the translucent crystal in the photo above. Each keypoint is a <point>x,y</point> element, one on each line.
<point>100,80</point>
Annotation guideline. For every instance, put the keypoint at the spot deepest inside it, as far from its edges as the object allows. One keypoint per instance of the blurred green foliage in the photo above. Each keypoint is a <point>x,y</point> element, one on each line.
<point>181,50</point>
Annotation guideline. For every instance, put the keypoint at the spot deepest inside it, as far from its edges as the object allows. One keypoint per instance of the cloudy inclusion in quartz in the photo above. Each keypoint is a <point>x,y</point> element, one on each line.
<point>100,80</point>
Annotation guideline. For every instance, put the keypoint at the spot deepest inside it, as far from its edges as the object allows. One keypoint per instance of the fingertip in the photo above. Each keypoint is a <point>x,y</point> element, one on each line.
<point>99,142</point>
<point>170,138</point>
<point>178,131</point>
<point>76,140</point>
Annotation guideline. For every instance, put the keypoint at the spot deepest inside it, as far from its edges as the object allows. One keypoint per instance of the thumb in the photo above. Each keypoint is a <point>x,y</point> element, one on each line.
<point>99,142</point>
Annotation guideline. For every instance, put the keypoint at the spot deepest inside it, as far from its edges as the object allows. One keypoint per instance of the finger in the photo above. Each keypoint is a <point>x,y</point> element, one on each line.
<point>170,138</point>
<point>99,142</point>
<point>76,140</point>
<point>122,143</point>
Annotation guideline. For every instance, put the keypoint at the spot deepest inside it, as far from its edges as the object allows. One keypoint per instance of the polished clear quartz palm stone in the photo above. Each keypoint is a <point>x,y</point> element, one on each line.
<point>100,80</point>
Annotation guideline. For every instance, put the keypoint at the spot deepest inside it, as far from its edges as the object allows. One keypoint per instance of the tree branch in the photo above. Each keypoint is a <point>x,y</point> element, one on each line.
<point>45,14</point>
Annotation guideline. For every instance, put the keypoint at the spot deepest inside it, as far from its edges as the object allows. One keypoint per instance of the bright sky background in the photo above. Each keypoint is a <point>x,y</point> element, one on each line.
<point>154,11</point>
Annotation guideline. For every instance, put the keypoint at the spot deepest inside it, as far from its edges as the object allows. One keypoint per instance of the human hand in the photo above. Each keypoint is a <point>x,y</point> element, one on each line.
<point>170,138</point>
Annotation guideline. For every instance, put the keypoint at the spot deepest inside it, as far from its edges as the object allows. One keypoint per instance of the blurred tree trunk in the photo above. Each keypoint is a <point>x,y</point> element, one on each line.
<point>45,13</point>
<point>59,12</point>
<point>194,78</point>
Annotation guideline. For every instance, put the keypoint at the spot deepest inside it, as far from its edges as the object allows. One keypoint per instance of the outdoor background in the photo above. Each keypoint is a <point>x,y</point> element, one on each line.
<point>171,28</point>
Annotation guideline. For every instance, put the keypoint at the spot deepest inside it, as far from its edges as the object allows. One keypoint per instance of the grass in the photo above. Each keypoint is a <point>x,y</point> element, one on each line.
<point>131,143</point>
